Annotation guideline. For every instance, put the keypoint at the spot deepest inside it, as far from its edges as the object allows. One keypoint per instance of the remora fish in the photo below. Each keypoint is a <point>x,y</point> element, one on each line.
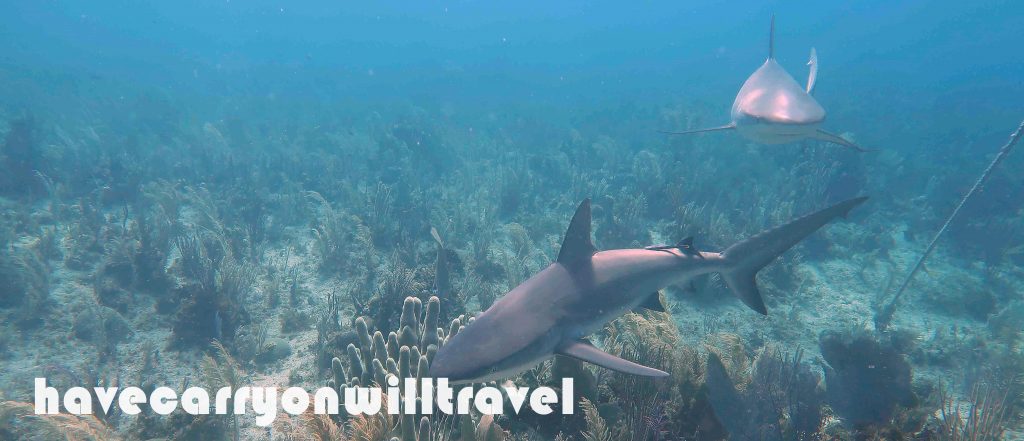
<point>585,288</point>
<point>771,108</point>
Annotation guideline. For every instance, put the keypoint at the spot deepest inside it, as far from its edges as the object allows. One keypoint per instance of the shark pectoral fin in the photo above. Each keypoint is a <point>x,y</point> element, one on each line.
<point>836,139</point>
<point>437,237</point>
<point>577,244</point>
<point>584,351</point>
<point>709,129</point>
<point>653,302</point>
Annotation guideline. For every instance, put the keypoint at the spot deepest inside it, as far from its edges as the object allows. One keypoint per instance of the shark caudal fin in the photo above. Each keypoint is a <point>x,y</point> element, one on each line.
<point>747,257</point>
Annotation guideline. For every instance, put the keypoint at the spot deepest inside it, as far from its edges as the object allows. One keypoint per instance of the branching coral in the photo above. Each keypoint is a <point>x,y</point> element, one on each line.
<point>152,227</point>
<point>644,408</point>
<point>983,417</point>
<point>87,233</point>
<point>212,291</point>
<point>21,159</point>
<point>331,233</point>
<point>394,283</point>
<point>19,421</point>
<point>622,226</point>
<point>597,428</point>
<point>101,326</point>
<point>777,397</point>
<point>116,274</point>
<point>404,353</point>
<point>219,370</point>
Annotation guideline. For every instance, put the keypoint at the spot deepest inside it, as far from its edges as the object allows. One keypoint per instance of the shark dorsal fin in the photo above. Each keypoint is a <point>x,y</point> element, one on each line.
<point>771,40</point>
<point>577,244</point>
<point>812,76</point>
<point>685,246</point>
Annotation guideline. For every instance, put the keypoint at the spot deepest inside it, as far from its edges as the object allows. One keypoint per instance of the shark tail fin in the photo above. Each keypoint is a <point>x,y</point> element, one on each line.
<point>747,257</point>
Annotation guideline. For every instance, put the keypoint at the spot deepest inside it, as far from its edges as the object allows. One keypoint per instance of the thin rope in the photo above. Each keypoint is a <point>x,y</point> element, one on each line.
<point>885,316</point>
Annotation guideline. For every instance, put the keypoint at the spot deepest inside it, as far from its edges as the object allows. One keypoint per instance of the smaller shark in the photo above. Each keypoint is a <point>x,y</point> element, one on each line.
<point>771,108</point>
<point>584,289</point>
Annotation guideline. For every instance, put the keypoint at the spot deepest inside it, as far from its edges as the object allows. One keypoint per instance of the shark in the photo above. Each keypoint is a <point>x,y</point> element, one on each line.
<point>772,108</point>
<point>554,311</point>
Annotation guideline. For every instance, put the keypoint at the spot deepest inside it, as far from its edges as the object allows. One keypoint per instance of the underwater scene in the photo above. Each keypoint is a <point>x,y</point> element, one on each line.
<point>643,221</point>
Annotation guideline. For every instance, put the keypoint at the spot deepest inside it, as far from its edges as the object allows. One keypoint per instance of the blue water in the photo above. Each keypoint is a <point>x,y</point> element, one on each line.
<point>488,121</point>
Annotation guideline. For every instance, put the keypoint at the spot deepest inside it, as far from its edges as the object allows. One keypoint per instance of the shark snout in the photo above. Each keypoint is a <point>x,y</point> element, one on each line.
<point>479,352</point>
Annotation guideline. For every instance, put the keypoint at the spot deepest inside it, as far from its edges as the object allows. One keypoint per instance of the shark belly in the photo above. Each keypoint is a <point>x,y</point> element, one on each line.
<point>766,132</point>
<point>536,352</point>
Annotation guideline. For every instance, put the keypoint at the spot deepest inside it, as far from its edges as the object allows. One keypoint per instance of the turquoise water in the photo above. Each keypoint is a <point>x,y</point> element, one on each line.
<point>266,175</point>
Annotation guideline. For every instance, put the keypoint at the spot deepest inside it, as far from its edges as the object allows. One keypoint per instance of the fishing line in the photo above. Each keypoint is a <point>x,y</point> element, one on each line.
<point>883,318</point>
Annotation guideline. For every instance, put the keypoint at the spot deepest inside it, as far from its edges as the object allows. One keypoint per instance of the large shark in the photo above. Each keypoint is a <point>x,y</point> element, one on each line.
<point>584,289</point>
<point>771,108</point>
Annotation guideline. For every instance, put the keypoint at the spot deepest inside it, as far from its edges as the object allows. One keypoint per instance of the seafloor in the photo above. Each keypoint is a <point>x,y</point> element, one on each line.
<point>137,232</point>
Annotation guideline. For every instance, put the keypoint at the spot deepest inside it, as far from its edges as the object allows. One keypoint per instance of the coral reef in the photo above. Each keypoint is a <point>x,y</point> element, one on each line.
<point>866,379</point>
<point>404,353</point>
<point>981,417</point>
<point>211,304</point>
<point>22,160</point>
<point>318,241</point>
<point>777,397</point>
<point>19,421</point>
<point>24,283</point>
